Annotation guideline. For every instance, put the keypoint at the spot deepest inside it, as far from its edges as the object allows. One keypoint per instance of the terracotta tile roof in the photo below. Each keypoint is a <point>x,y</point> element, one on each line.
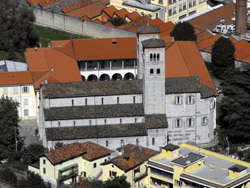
<point>120,48</point>
<point>133,16</point>
<point>122,13</point>
<point>186,65</point>
<point>166,35</point>
<point>241,44</point>
<point>203,36</point>
<point>66,153</point>
<point>94,151</point>
<point>45,59</point>
<point>247,59</point>
<point>97,21</point>
<point>208,42</point>
<point>110,11</point>
<point>156,22</point>
<point>133,156</point>
<point>59,43</point>
<point>45,3</point>
<point>15,78</point>
<point>65,48</point>
<point>32,2</point>
<point>105,2</point>
<point>212,18</point>
<point>85,18</point>
<point>109,24</point>
<point>240,54</point>
<point>76,5</point>
<point>166,26</point>
<point>135,23</point>
<point>92,10</point>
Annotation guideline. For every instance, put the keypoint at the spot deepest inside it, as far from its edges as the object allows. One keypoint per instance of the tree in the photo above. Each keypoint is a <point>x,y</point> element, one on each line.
<point>117,21</point>
<point>8,125</point>
<point>32,153</point>
<point>222,57</point>
<point>8,176</point>
<point>33,180</point>
<point>183,31</point>
<point>119,181</point>
<point>16,29</point>
<point>234,119</point>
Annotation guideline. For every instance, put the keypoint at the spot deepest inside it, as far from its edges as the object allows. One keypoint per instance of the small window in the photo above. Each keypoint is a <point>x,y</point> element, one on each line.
<point>15,90</point>
<point>104,19</point>
<point>107,143</point>
<point>26,112</point>
<point>44,161</point>
<point>59,123</point>
<point>120,120</point>
<point>72,102</point>
<point>122,142</point>
<point>189,122</point>
<point>158,71</point>
<point>86,102</point>
<point>158,57</point>
<point>85,174</point>
<point>74,122</point>
<point>151,57</point>
<point>118,100</point>
<point>90,122</point>
<point>133,99</point>
<point>105,121</point>
<point>178,123</point>
<point>25,102</point>
<point>212,104</point>
<point>137,142</point>
<point>135,120</point>
<point>154,57</point>
<point>153,141</point>
<point>151,72</point>
<point>190,99</point>
<point>44,170</point>
<point>94,165</point>
<point>25,90</point>
<point>102,100</point>
<point>5,90</point>
<point>204,121</point>
<point>178,100</point>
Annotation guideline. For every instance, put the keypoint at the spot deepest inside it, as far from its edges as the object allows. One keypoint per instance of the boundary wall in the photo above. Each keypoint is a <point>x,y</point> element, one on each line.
<point>78,26</point>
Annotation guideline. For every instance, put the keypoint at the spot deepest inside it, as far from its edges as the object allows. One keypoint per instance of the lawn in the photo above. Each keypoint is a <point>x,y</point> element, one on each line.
<point>46,35</point>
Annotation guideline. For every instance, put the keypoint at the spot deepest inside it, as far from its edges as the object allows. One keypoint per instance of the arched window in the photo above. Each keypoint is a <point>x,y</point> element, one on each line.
<point>158,71</point>
<point>158,57</point>
<point>151,72</point>
<point>151,57</point>
<point>154,57</point>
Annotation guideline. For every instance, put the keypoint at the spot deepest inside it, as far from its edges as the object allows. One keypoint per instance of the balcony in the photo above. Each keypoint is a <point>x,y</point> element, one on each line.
<point>68,172</point>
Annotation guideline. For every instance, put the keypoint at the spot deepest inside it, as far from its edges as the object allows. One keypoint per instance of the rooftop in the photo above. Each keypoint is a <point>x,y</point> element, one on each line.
<point>122,13</point>
<point>188,159</point>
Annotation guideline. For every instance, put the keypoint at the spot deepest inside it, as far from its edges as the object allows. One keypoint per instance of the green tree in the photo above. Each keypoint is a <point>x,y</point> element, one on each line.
<point>117,182</point>
<point>183,31</point>
<point>33,180</point>
<point>222,57</point>
<point>16,26</point>
<point>32,152</point>
<point>234,119</point>
<point>117,21</point>
<point>8,125</point>
<point>8,176</point>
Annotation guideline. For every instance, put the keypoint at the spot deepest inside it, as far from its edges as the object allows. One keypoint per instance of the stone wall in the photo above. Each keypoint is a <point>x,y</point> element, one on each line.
<point>78,26</point>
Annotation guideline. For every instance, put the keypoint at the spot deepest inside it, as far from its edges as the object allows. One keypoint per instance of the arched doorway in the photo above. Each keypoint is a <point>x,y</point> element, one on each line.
<point>117,76</point>
<point>83,78</point>
<point>104,77</point>
<point>129,76</point>
<point>92,77</point>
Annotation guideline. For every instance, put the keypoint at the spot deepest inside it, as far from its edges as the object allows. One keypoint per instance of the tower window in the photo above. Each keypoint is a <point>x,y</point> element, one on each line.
<point>135,120</point>
<point>133,99</point>
<point>151,57</point>
<point>74,122</point>
<point>102,100</point>
<point>154,57</point>
<point>90,122</point>
<point>153,141</point>
<point>72,101</point>
<point>118,100</point>
<point>105,121</point>
<point>59,124</point>
<point>190,99</point>
<point>189,122</point>
<point>178,100</point>
<point>158,57</point>
<point>120,120</point>
<point>178,123</point>
<point>86,102</point>
<point>151,72</point>
<point>158,71</point>
<point>204,121</point>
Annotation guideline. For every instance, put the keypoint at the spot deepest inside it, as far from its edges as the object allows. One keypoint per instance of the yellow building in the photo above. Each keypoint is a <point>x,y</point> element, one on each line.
<point>188,166</point>
<point>166,10</point>
<point>130,161</point>
<point>66,164</point>
<point>19,87</point>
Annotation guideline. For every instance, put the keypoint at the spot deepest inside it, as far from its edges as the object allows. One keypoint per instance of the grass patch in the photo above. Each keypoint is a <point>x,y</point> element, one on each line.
<point>3,55</point>
<point>46,35</point>
<point>20,56</point>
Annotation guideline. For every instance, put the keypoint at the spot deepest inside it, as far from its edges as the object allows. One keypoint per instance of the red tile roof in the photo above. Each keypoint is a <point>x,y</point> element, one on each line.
<point>133,16</point>
<point>85,18</point>
<point>122,13</point>
<point>186,65</point>
<point>16,78</point>
<point>92,10</point>
<point>135,23</point>
<point>156,22</point>
<point>241,44</point>
<point>45,3</point>
<point>76,5</point>
<point>110,11</point>
<point>208,42</point>
<point>109,24</point>
<point>133,156</point>
<point>242,53</point>
<point>32,2</point>
<point>97,21</point>
<point>66,153</point>
<point>94,151</point>
<point>212,18</point>
<point>166,26</point>
<point>203,36</point>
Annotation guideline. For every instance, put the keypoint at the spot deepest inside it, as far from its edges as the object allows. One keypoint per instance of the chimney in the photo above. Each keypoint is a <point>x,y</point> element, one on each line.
<point>35,48</point>
<point>241,18</point>
<point>46,80</point>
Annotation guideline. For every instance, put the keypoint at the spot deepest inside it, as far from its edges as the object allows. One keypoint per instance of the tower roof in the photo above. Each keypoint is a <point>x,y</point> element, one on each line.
<point>147,29</point>
<point>153,43</point>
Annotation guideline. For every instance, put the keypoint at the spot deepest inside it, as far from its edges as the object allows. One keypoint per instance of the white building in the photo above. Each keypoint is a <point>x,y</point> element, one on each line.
<point>172,100</point>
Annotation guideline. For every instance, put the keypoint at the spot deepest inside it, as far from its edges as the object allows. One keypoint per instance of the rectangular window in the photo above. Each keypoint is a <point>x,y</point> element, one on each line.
<point>135,120</point>
<point>194,2</point>
<point>102,100</point>
<point>184,7</point>
<point>5,91</point>
<point>204,121</point>
<point>190,99</point>
<point>107,143</point>
<point>133,99</point>
<point>191,13</point>
<point>85,174</point>
<point>174,10</point>
<point>25,102</point>
<point>94,165</point>
<point>190,3</point>
<point>189,122</point>
<point>59,123</point>
<point>26,112</point>
<point>72,101</point>
<point>118,100</point>
<point>74,122</point>
<point>26,89</point>
<point>44,170</point>
<point>122,142</point>
<point>120,120</point>
<point>15,90</point>
<point>183,16</point>
<point>105,121</point>
<point>44,161</point>
<point>90,122</point>
<point>178,100</point>
<point>158,71</point>
<point>161,2</point>
<point>178,123</point>
<point>86,102</point>
<point>153,141</point>
<point>151,72</point>
<point>137,142</point>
